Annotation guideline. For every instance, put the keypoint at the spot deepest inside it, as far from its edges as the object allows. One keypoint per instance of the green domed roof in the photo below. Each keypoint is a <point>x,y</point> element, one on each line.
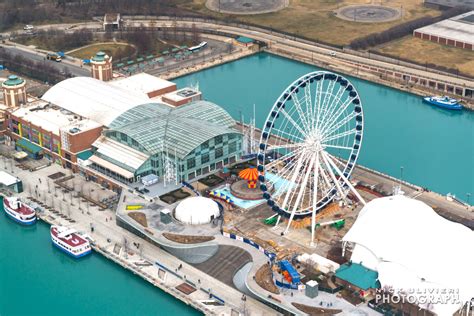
<point>100,56</point>
<point>13,80</point>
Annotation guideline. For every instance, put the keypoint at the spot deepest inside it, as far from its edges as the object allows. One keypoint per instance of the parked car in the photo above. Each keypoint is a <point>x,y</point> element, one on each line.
<point>53,56</point>
<point>28,27</point>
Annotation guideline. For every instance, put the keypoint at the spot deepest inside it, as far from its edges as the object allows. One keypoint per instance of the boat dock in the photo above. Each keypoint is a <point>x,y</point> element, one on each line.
<point>156,266</point>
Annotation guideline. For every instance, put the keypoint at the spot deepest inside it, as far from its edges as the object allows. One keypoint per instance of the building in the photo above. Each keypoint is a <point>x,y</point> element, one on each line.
<point>10,182</point>
<point>412,247</point>
<point>101,67</point>
<point>244,41</point>
<point>444,4</point>
<point>182,96</point>
<point>154,138</point>
<point>117,131</point>
<point>357,278</point>
<point>457,31</point>
<point>146,84</point>
<point>112,21</point>
<point>45,130</point>
<point>14,91</point>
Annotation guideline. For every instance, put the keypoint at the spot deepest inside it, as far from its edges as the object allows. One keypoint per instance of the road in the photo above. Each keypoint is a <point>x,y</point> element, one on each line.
<point>74,68</point>
<point>281,42</point>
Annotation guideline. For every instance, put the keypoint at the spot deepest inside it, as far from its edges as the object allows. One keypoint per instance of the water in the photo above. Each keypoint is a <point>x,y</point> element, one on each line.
<point>434,146</point>
<point>38,279</point>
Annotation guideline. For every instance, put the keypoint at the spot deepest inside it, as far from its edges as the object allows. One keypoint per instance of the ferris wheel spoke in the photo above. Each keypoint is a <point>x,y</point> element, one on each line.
<point>329,158</point>
<point>332,128</point>
<point>291,137</point>
<point>315,197</point>
<point>302,190</point>
<point>295,175</point>
<point>309,104</point>
<point>334,107</point>
<point>327,98</point>
<point>285,157</point>
<point>325,177</point>
<point>333,177</point>
<point>283,146</point>
<point>339,112</point>
<point>337,136</point>
<point>317,102</point>
<point>303,117</point>
<point>292,121</point>
<point>338,147</point>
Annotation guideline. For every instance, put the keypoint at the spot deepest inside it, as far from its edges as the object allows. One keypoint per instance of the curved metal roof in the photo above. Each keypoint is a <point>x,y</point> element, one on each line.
<point>156,126</point>
<point>94,99</point>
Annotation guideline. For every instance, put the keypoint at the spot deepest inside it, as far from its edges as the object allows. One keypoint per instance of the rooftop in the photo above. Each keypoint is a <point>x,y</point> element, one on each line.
<point>459,28</point>
<point>142,83</point>
<point>155,126</point>
<point>13,80</point>
<point>100,56</point>
<point>244,40</point>
<point>358,275</point>
<point>7,179</point>
<point>94,99</point>
<point>52,118</point>
<point>181,94</point>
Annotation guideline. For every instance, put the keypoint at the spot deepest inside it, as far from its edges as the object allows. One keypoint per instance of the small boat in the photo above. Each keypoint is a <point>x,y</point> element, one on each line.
<point>444,102</point>
<point>19,211</point>
<point>69,241</point>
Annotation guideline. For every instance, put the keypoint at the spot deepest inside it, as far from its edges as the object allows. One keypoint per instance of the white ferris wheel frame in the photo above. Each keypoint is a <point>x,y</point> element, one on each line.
<point>310,136</point>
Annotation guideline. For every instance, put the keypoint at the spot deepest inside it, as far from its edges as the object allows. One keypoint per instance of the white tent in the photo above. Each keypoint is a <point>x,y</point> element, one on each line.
<point>197,210</point>
<point>412,247</point>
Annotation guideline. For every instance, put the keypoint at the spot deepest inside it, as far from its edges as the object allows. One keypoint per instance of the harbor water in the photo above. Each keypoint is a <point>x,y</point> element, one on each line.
<point>38,279</point>
<point>435,147</point>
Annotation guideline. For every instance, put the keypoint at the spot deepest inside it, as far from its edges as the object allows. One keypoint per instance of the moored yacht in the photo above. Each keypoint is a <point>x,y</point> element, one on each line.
<point>19,211</point>
<point>69,241</point>
<point>444,102</point>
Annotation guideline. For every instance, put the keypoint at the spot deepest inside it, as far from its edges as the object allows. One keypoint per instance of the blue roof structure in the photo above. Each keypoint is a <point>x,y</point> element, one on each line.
<point>358,275</point>
<point>244,40</point>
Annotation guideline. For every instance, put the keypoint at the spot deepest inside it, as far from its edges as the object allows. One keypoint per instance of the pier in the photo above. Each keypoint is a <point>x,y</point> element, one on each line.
<point>151,263</point>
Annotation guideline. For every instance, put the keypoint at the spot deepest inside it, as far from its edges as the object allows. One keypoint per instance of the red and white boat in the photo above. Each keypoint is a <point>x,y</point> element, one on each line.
<point>19,211</point>
<point>69,241</point>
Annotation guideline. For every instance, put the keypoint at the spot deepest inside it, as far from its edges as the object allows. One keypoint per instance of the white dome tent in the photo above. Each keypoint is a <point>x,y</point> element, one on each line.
<point>412,247</point>
<point>197,210</point>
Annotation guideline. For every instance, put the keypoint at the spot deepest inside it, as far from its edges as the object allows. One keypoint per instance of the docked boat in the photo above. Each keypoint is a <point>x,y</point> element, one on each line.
<point>444,102</point>
<point>19,211</point>
<point>69,241</point>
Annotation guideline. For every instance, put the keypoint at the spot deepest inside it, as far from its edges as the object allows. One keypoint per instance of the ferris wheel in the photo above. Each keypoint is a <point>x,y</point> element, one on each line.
<point>309,146</point>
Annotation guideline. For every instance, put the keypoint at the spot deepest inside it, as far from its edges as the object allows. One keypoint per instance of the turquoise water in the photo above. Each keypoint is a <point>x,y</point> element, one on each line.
<point>38,279</point>
<point>434,146</point>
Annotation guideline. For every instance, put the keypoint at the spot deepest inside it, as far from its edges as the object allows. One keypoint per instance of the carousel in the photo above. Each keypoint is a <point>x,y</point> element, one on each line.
<point>247,187</point>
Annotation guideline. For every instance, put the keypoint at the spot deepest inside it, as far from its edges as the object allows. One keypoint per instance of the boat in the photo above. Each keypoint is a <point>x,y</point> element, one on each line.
<point>444,102</point>
<point>19,211</point>
<point>69,241</point>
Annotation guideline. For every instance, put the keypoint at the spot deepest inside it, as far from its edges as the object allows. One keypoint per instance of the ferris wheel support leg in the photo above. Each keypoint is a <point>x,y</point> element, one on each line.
<point>353,190</point>
<point>315,197</point>
<point>301,191</point>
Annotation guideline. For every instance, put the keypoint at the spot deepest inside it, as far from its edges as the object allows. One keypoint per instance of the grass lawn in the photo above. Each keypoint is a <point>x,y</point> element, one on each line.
<point>315,18</point>
<point>423,51</point>
<point>87,52</point>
